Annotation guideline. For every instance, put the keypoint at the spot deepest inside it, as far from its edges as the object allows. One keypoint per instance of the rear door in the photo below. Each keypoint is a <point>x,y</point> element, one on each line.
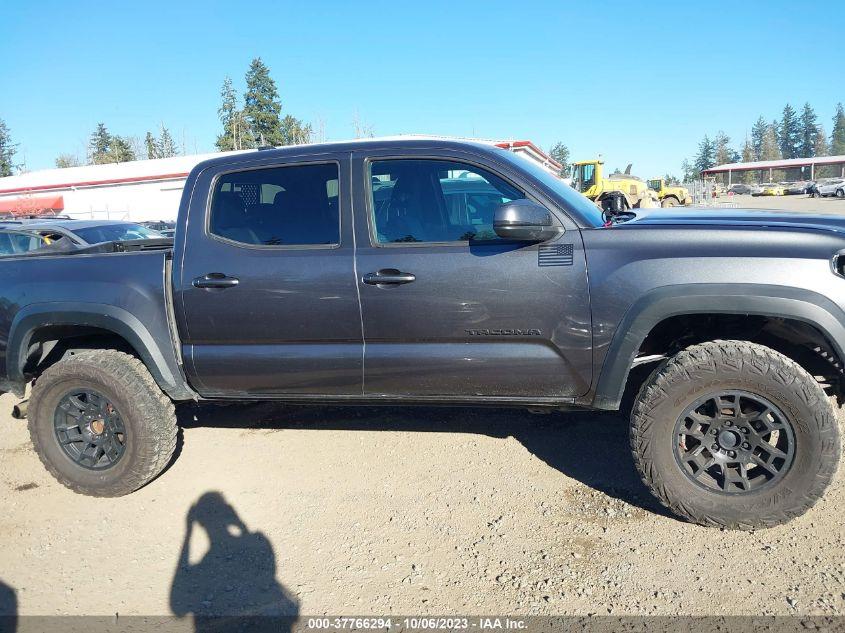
<point>450,310</point>
<point>267,288</point>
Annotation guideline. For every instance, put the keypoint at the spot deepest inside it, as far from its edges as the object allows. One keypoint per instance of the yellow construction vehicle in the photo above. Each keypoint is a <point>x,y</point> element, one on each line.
<point>588,178</point>
<point>669,196</point>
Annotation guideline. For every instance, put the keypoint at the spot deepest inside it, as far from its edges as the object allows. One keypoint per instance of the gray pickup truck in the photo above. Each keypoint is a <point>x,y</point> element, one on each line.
<point>425,271</point>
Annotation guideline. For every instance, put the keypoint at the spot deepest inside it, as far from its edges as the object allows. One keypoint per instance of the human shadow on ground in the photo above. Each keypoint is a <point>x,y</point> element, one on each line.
<point>8,609</point>
<point>591,447</point>
<point>233,586</point>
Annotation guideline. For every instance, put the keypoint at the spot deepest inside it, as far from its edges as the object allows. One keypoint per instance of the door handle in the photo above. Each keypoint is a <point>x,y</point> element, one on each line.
<point>388,276</point>
<point>215,280</point>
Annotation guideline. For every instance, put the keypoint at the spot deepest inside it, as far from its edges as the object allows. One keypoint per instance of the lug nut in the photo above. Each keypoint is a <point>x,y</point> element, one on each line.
<point>745,430</point>
<point>714,431</point>
<point>715,447</point>
<point>746,445</point>
<point>732,454</point>
<point>728,423</point>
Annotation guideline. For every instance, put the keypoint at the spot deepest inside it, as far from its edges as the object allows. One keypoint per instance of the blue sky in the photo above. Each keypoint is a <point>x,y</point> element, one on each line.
<point>636,82</point>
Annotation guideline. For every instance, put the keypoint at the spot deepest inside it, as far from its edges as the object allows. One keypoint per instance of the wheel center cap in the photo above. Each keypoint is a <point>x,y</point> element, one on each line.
<point>728,439</point>
<point>97,427</point>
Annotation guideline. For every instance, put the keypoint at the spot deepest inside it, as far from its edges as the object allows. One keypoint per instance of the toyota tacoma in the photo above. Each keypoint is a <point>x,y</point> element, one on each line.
<point>434,271</point>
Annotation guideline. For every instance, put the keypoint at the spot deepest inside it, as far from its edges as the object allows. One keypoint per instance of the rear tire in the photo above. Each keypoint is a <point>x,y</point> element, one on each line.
<point>698,465</point>
<point>840,193</point>
<point>668,202</point>
<point>100,424</point>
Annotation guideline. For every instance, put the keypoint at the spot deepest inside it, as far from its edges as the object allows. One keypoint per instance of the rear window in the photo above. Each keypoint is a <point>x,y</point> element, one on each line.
<point>296,205</point>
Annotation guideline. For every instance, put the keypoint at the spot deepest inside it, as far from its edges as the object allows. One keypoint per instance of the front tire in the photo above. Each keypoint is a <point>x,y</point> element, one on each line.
<point>100,424</point>
<point>734,434</point>
<point>840,193</point>
<point>669,202</point>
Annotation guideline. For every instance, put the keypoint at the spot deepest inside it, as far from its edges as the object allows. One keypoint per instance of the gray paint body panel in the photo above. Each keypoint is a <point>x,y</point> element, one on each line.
<point>302,326</point>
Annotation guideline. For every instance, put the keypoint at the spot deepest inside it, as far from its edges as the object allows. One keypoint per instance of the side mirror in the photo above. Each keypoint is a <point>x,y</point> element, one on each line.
<point>525,221</point>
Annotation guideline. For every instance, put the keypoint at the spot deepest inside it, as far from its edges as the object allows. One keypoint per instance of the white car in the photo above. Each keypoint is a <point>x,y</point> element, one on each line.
<point>832,188</point>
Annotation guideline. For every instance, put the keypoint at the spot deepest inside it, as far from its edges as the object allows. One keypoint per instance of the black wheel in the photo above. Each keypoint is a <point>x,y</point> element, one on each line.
<point>734,434</point>
<point>100,424</point>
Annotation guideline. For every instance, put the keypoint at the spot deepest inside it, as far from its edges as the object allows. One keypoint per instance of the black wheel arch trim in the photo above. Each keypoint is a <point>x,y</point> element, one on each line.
<point>668,301</point>
<point>162,364</point>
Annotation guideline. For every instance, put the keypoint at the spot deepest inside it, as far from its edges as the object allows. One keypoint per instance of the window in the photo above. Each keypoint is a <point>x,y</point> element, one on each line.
<point>435,201</point>
<point>282,206</point>
<point>115,233</point>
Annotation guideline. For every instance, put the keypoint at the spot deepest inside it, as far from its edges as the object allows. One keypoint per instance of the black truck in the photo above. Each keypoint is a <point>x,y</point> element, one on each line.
<point>444,272</point>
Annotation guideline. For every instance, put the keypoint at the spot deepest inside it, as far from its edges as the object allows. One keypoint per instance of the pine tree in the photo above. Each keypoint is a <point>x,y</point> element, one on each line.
<point>166,145</point>
<point>560,153</point>
<point>723,152</point>
<point>8,149</point>
<point>706,157</point>
<point>747,157</point>
<point>262,106</point>
<point>235,129</point>
<point>295,132</point>
<point>789,138</point>
<point>837,137</point>
<point>757,134</point>
<point>821,148</point>
<point>151,146</point>
<point>689,171</point>
<point>809,131</point>
<point>769,149</point>
<point>99,146</point>
<point>120,150</point>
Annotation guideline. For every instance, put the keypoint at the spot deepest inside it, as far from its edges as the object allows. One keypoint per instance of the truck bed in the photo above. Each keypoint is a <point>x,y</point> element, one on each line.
<point>110,285</point>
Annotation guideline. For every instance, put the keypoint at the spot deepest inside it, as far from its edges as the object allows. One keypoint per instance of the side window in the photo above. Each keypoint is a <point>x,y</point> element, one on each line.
<point>435,201</point>
<point>281,206</point>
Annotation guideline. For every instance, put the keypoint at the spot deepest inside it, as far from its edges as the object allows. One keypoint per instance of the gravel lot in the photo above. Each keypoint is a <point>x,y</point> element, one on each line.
<point>315,510</point>
<point>397,511</point>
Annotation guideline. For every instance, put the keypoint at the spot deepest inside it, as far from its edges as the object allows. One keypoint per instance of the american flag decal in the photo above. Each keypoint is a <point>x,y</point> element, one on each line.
<point>555,255</point>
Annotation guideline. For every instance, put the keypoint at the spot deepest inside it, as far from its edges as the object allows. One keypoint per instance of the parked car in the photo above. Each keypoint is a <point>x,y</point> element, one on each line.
<point>20,241</point>
<point>739,189</point>
<point>796,188</point>
<point>85,232</point>
<point>831,188</point>
<point>158,225</point>
<point>768,189</point>
<point>297,278</point>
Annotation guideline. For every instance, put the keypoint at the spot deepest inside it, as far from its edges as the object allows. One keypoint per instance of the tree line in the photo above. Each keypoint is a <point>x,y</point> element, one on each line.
<point>794,135</point>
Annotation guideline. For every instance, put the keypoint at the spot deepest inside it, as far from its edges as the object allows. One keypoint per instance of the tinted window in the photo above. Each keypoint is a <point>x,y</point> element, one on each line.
<point>296,205</point>
<point>14,243</point>
<point>435,201</point>
<point>115,233</point>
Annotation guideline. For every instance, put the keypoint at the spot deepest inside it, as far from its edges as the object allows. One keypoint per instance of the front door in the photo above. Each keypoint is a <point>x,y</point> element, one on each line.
<point>449,309</point>
<point>268,297</point>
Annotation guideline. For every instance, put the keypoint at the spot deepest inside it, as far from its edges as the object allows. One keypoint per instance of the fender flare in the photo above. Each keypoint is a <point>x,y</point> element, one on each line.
<point>165,372</point>
<point>668,301</point>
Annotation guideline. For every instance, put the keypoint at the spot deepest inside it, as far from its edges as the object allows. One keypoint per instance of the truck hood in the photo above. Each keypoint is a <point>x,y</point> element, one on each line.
<point>746,218</point>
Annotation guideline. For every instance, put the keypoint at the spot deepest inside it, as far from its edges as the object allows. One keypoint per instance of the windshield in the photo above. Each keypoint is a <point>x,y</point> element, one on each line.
<point>115,233</point>
<point>580,205</point>
<point>654,184</point>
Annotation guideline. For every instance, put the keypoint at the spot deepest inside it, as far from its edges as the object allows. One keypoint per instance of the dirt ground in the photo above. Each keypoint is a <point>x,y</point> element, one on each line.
<point>397,511</point>
<point>831,205</point>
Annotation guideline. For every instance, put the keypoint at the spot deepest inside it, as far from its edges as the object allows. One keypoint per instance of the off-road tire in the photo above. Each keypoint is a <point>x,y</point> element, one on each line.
<point>734,365</point>
<point>669,202</point>
<point>147,414</point>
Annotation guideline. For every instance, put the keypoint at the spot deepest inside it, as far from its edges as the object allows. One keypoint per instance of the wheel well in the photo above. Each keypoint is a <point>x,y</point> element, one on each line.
<point>798,340</point>
<point>49,344</point>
